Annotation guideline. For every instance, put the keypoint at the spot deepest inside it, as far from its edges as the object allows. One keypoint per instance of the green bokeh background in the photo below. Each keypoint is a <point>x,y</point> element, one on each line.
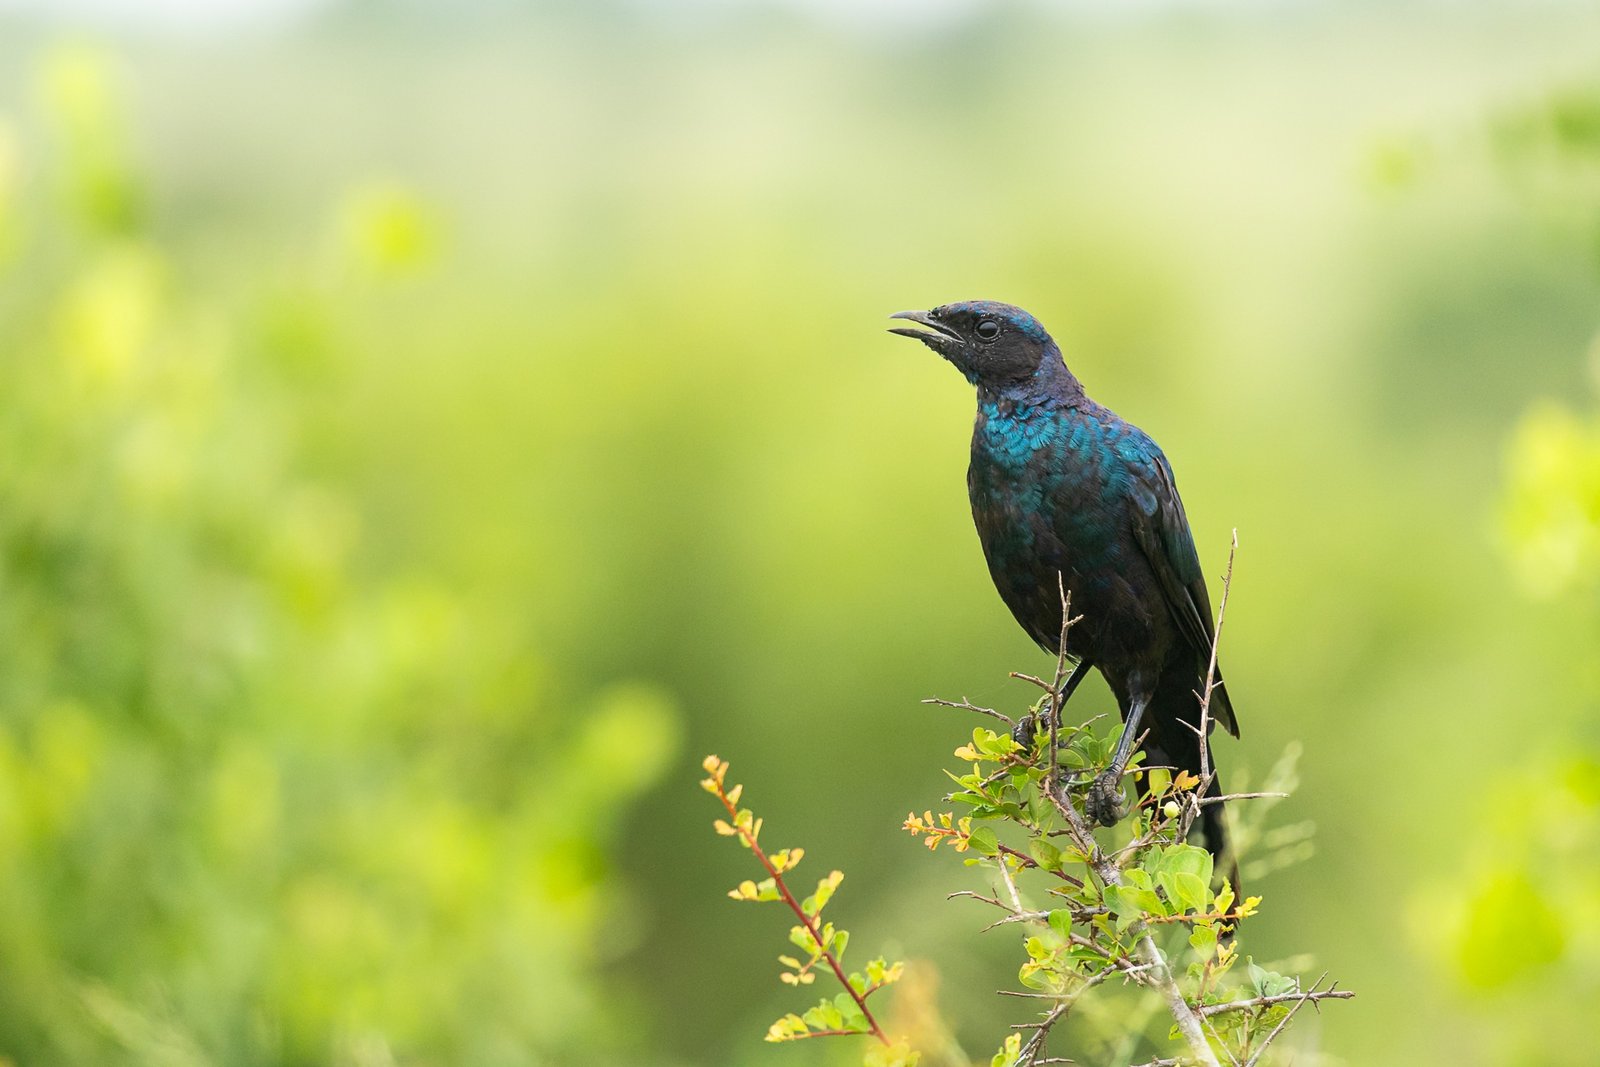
<point>426,431</point>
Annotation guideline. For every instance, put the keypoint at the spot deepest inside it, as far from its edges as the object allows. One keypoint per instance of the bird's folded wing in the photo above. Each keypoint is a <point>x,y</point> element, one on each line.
<point>1161,530</point>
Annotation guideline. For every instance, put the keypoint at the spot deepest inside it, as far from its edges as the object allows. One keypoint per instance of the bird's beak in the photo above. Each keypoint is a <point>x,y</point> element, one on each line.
<point>942,338</point>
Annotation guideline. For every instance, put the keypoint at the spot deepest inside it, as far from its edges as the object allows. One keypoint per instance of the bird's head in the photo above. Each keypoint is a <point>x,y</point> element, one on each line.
<point>993,344</point>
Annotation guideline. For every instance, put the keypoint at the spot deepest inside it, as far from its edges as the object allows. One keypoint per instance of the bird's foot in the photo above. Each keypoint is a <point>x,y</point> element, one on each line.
<point>1023,733</point>
<point>1103,803</point>
<point>1030,726</point>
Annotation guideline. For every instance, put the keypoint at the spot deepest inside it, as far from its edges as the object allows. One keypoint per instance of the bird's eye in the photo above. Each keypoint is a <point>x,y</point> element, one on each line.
<point>987,330</point>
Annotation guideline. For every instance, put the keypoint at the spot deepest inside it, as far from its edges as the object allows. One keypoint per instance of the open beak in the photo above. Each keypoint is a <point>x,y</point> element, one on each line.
<point>941,338</point>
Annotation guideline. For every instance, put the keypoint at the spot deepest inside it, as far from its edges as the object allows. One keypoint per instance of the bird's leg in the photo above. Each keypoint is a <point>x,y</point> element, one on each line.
<point>1104,802</point>
<point>1028,727</point>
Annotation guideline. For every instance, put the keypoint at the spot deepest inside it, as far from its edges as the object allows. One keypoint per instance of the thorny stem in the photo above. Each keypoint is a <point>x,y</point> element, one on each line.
<point>1159,973</point>
<point>1301,999</point>
<point>1210,688</point>
<point>808,921</point>
<point>1282,998</point>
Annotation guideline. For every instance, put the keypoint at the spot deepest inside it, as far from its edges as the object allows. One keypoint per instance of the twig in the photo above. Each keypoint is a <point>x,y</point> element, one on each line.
<point>1242,796</point>
<point>1301,1000</point>
<point>1033,679</point>
<point>1078,915</point>
<point>1204,729</point>
<point>1211,667</point>
<point>1210,1027</point>
<point>967,705</point>
<point>1011,885</point>
<point>1025,860</point>
<point>1041,1029</point>
<point>808,921</point>
<point>1283,998</point>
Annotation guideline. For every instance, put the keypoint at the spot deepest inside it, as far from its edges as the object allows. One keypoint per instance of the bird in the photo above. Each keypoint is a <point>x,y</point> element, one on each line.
<point>1067,495</point>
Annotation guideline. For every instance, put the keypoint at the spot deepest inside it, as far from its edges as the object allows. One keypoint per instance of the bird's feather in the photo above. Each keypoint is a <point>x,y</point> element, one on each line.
<point>1161,530</point>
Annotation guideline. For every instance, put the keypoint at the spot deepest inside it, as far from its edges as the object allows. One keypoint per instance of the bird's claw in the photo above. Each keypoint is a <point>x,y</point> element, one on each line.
<point>1023,733</point>
<point>1103,803</point>
<point>1030,726</point>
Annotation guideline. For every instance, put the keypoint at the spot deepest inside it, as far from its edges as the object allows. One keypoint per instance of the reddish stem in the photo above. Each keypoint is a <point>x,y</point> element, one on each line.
<point>807,921</point>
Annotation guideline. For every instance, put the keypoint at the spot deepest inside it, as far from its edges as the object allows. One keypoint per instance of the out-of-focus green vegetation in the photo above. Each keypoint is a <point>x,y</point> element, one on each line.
<point>420,435</point>
<point>264,797</point>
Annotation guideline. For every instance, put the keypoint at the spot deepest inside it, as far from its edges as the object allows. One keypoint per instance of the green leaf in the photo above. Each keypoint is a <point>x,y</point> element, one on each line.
<point>825,1016</point>
<point>1267,983</point>
<point>1191,893</point>
<point>825,887</point>
<point>850,1012</point>
<point>1033,975</point>
<point>802,939</point>
<point>1045,854</point>
<point>983,841</point>
<point>1130,904</point>
<point>1186,859</point>
<point>1009,1053</point>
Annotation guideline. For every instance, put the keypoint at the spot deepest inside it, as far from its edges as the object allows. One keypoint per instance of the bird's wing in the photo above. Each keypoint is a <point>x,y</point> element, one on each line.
<point>1161,530</point>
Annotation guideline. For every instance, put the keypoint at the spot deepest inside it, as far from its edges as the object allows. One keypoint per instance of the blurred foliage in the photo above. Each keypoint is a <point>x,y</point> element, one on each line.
<point>1514,925</point>
<point>400,412</point>
<point>262,800</point>
<point>1553,501</point>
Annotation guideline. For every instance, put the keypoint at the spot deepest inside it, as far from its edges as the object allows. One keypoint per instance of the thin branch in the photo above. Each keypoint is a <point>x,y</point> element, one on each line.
<point>967,705</point>
<point>1079,915</point>
<point>1204,729</point>
<point>1011,885</point>
<point>1211,668</point>
<point>1024,860</point>
<point>1282,998</point>
<point>1242,796</point>
<point>1211,1029</point>
<point>1041,1029</point>
<point>1302,999</point>
<point>1032,679</point>
<point>810,922</point>
<point>1019,917</point>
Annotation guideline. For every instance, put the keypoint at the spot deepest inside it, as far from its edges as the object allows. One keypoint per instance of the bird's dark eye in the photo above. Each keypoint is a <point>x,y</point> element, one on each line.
<point>987,330</point>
